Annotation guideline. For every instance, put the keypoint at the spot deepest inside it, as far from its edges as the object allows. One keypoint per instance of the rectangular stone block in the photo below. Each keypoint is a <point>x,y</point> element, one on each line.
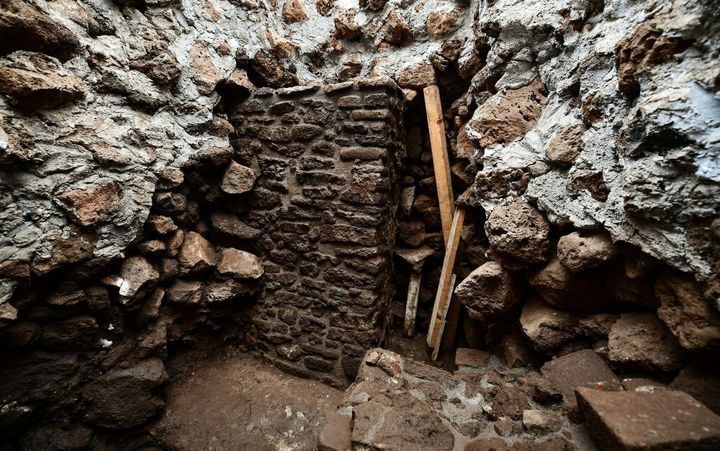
<point>648,421</point>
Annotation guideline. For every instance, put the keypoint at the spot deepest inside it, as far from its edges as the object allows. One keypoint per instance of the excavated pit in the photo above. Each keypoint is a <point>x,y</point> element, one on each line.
<point>210,214</point>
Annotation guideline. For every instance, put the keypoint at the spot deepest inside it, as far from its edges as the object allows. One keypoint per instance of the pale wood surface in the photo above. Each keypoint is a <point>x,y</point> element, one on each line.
<point>444,293</point>
<point>441,161</point>
<point>412,302</point>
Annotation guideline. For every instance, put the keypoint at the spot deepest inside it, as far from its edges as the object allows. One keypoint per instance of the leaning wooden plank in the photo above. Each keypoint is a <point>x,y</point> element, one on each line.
<point>441,161</point>
<point>451,323</point>
<point>412,302</point>
<point>436,349</point>
<point>443,294</point>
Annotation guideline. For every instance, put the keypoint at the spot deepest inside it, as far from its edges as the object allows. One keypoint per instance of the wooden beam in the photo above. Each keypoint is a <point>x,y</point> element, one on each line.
<point>436,349</point>
<point>412,302</point>
<point>442,298</point>
<point>451,323</point>
<point>441,161</point>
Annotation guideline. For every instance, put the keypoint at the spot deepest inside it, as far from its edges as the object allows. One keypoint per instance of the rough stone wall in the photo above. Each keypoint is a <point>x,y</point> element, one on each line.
<point>325,201</point>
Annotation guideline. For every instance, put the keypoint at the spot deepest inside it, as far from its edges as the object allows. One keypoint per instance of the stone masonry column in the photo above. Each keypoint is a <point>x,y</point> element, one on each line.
<point>325,201</point>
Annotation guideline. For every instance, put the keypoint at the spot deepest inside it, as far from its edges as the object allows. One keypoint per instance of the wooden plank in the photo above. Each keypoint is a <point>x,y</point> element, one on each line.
<point>412,302</point>
<point>441,161</point>
<point>451,323</point>
<point>442,298</point>
<point>436,349</point>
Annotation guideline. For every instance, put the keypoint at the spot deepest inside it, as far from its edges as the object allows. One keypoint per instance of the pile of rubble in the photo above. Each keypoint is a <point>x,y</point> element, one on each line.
<point>573,402</point>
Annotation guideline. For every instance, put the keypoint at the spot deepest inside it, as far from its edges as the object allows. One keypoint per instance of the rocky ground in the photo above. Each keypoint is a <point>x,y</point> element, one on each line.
<point>401,404</point>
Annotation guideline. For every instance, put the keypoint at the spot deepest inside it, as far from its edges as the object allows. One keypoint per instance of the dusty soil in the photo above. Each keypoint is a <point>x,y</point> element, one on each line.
<point>238,401</point>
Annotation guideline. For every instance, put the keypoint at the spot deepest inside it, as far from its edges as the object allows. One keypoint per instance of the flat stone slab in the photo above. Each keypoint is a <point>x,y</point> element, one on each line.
<point>662,420</point>
<point>578,369</point>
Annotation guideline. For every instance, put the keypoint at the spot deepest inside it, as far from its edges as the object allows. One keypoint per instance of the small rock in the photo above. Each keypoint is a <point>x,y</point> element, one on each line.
<point>542,421</point>
<point>396,30</point>
<point>161,67</point>
<point>239,264</point>
<point>565,146</point>
<point>519,232</point>
<point>203,68</point>
<point>185,292</point>
<point>578,251</point>
<point>229,226</point>
<point>473,358</point>
<point>489,292</point>
<point>417,77</point>
<point>571,291</point>
<point>640,341</point>
<point>346,25</point>
<point>293,11</point>
<point>650,421</point>
<point>196,254</point>
<point>412,233</point>
<point>441,23</point>
<point>506,116</point>
<point>160,225</point>
<point>88,206</point>
<point>238,179</point>
<point>137,276</point>
<point>81,332</point>
<point>687,312</point>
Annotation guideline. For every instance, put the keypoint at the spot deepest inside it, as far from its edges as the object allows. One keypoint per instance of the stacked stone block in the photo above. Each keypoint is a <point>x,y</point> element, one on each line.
<point>325,201</point>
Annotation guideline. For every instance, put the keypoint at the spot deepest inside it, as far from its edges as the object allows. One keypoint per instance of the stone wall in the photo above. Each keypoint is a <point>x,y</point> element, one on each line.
<point>325,201</point>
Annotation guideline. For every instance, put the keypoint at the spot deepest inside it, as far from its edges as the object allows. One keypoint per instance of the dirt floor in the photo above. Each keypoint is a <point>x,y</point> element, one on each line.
<point>238,401</point>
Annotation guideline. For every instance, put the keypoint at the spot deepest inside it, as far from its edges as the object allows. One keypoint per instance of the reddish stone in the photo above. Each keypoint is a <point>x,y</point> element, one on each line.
<point>661,420</point>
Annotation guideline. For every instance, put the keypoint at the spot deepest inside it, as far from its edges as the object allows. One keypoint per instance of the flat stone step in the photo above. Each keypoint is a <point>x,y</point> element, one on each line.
<point>649,421</point>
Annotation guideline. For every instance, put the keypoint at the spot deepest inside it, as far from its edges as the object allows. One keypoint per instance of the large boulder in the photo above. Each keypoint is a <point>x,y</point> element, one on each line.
<point>489,292</point>
<point>640,341</point>
<point>518,234</point>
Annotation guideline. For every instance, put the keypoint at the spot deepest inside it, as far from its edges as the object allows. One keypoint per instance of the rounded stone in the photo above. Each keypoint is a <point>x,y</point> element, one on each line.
<point>518,233</point>
<point>578,251</point>
<point>489,292</point>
